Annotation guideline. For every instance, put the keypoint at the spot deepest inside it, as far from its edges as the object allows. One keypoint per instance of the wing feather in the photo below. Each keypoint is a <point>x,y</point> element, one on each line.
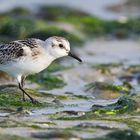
<point>13,51</point>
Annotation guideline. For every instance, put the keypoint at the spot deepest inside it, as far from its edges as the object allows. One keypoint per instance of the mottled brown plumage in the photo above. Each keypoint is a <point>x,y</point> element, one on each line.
<point>15,50</point>
<point>59,39</point>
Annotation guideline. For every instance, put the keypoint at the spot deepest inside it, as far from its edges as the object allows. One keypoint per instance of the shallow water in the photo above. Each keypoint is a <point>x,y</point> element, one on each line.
<point>111,51</point>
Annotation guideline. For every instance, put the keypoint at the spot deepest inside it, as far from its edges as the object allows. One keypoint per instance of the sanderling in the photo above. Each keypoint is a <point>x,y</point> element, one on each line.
<point>24,57</point>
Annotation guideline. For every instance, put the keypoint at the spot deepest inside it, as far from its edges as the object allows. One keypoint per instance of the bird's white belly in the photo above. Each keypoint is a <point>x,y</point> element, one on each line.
<point>26,66</point>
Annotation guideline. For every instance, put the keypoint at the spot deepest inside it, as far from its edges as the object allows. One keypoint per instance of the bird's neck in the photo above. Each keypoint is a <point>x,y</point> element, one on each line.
<point>49,57</point>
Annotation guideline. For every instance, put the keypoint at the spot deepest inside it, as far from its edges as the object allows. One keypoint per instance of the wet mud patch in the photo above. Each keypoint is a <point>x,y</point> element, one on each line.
<point>56,135</point>
<point>132,75</point>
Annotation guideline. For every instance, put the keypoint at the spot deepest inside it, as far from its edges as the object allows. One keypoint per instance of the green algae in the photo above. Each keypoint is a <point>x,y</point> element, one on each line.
<point>124,105</point>
<point>106,68</point>
<point>12,137</point>
<point>12,28</point>
<point>133,69</point>
<point>125,88</point>
<point>62,97</point>
<point>83,97</point>
<point>52,30</point>
<point>135,125</point>
<point>47,80</point>
<point>7,123</point>
<point>57,134</point>
<point>134,2</point>
<point>65,114</point>
<point>92,126</point>
<point>11,101</point>
<point>39,26</point>
<point>10,122</point>
<point>53,13</point>
<point>124,135</point>
<point>57,97</point>
<point>16,28</point>
<point>39,125</point>
<point>17,11</point>
<point>74,97</point>
<point>11,97</point>
<point>57,67</point>
<point>118,29</point>
<point>93,26</point>
<point>120,135</point>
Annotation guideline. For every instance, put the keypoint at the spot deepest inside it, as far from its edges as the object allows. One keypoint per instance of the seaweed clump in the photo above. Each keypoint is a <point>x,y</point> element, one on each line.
<point>125,88</point>
<point>47,80</point>
<point>53,13</point>
<point>55,135</point>
<point>123,105</point>
<point>10,97</point>
<point>120,135</point>
<point>52,30</point>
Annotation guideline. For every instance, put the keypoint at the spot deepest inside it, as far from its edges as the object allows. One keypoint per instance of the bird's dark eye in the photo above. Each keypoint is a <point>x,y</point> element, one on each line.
<point>61,45</point>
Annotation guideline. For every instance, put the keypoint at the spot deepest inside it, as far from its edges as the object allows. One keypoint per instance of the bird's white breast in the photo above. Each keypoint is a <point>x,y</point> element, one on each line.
<point>28,65</point>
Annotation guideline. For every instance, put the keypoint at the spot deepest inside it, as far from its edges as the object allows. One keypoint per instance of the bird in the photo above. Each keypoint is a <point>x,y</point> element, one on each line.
<point>30,56</point>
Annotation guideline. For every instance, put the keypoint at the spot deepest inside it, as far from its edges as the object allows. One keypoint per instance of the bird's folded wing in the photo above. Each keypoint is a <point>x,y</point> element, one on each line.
<point>13,51</point>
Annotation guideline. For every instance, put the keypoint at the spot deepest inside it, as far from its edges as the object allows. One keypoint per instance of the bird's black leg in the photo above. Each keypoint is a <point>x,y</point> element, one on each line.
<point>21,80</point>
<point>22,85</point>
<point>32,99</point>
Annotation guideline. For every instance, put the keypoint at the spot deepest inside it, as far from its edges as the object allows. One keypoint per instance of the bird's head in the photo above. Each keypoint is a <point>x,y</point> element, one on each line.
<point>59,47</point>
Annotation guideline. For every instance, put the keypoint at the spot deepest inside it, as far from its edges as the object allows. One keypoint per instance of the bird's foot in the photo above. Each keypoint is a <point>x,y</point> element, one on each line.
<point>32,100</point>
<point>24,100</point>
<point>35,101</point>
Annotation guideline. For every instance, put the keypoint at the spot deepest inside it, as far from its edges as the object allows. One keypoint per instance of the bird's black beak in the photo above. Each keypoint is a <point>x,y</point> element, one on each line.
<point>74,56</point>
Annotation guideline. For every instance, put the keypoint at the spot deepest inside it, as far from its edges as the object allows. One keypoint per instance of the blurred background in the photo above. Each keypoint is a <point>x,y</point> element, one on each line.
<point>106,35</point>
